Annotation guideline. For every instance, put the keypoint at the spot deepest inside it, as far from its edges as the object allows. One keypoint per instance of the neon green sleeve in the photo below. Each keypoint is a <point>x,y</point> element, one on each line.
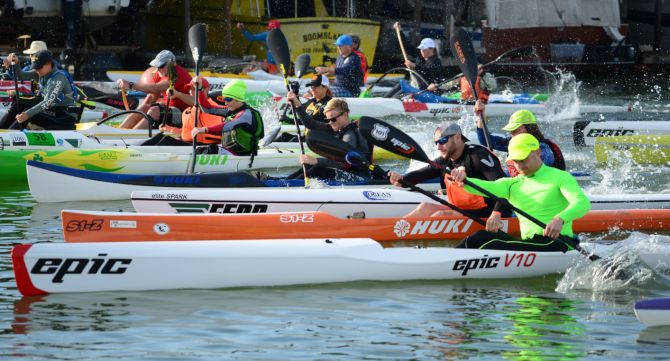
<point>499,187</point>
<point>579,203</point>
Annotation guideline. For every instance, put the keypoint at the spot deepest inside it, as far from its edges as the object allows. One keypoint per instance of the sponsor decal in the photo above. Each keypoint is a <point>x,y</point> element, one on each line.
<point>59,142</point>
<point>297,218</point>
<point>446,110</point>
<point>401,146</point>
<point>161,229</point>
<point>176,179</point>
<point>380,131</point>
<point>377,195</point>
<point>438,226</point>
<point>107,155</point>
<point>609,132</point>
<point>84,225</point>
<point>60,267</point>
<point>212,159</point>
<point>19,140</point>
<point>122,224</point>
<point>459,52</point>
<point>488,162</point>
<point>75,143</point>
<point>401,228</point>
<point>525,260</point>
<point>2,144</point>
<point>238,208</point>
<point>41,139</point>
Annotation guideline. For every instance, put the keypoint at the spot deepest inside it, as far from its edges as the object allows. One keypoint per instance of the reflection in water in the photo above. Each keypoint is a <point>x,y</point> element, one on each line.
<point>658,336</point>
<point>539,328</point>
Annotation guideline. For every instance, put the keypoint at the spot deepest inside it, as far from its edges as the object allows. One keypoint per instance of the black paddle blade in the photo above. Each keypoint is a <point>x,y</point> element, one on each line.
<point>327,146</point>
<point>301,64</point>
<point>391,138</point>
<point>461,47</point>
<point>197,41</point>
<point>279,48</point>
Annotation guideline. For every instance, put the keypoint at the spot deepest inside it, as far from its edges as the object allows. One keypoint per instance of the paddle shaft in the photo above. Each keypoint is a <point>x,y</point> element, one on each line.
<point>195,117</point>
<point>402,46</point>
<point>16,91</point>
<point>295,121</point>
<point>565,239</point>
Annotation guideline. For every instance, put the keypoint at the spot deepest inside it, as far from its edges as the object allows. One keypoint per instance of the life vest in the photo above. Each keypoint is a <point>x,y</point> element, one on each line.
<point>204,120</point>
<point>364,65</point>
<point>245,137</point>
<point>466,90</point>
<point>559,160</point>
<point>68,76</point>
<point>460,198</point>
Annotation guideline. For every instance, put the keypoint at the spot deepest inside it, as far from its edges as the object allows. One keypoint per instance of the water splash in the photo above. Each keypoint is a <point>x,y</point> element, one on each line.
<point>564,102</point>
<point>625,266</point>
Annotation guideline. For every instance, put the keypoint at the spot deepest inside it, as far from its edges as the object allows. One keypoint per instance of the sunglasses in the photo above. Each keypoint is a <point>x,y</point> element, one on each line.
<point>222,99</point>
<point>334,119</point>
<point>443,140</point>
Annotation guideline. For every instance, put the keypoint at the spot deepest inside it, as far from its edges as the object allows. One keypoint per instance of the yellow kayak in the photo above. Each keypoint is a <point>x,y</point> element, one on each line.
<point>641,149</point>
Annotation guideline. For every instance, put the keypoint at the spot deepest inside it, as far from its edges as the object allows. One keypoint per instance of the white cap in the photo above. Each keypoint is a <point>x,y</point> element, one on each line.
<point>36,46</point>
<point>162,58</point>
<point>427,43</point>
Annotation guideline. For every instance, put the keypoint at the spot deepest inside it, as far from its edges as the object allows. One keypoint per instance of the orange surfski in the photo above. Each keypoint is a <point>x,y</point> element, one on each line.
<point>86,226</point>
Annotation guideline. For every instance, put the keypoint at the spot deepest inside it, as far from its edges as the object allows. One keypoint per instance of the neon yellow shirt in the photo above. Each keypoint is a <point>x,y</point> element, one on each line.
<point>548,193</point>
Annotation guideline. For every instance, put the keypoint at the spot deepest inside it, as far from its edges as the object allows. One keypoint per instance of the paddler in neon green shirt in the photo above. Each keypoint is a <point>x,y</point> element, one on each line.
<point>551,195</point>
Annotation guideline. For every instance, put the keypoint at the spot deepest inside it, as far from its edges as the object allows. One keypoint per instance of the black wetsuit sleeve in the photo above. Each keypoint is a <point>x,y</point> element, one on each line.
<point>310,123</point>
<point>424,174</point>
<point>490,169</point>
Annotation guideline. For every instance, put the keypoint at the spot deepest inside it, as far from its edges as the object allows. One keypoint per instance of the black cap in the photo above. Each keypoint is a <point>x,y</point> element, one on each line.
<point>318,80</point>
<point>42,57</point>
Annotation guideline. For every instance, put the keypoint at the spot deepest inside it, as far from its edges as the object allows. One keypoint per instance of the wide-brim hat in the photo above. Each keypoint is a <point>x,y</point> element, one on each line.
<point>35,47</point>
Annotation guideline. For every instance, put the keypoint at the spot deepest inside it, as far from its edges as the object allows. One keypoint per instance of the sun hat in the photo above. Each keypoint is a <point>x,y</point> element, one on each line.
<point>426,43</point>
<point>36,46</point>
<point>162,58</point>
<point>236,89</point>
<point>519,118</point>
<point>344,40</point>
<point>520,146</point>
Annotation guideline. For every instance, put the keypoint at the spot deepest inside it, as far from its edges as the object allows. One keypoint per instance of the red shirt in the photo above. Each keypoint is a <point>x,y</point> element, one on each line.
<point>183,78</point>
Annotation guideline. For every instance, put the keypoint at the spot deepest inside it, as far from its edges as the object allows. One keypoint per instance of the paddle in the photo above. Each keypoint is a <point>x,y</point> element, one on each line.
<point>513,53</point>
<point>197,40</point>
<point>172,79</point>
<point>279,48</point>
<point>301,66</point>
<point>366,92</point>
<point>16,94</point>
<point>394,140</point>
<point>464,52</point>
<point>396,26</point>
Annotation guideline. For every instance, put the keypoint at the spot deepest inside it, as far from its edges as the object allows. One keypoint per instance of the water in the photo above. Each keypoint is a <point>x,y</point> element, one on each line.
<point>582,315</point>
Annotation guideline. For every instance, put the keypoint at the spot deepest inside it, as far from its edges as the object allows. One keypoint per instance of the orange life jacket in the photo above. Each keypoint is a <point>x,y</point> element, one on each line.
<point>466,90</point>
<point>204,120</point>
<point>460,198</point>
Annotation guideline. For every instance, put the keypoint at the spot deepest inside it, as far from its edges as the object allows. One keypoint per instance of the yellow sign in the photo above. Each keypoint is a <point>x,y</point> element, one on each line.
<point>316,36</point>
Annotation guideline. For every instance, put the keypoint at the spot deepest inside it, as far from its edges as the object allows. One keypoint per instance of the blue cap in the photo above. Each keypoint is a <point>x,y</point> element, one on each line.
<point>344,40</point>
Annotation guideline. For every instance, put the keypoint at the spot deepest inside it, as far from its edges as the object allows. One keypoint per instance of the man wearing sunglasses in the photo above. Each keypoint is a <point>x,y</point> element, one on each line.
<point>338,124</point>
<point>56,109</point>
<point>456,152</point>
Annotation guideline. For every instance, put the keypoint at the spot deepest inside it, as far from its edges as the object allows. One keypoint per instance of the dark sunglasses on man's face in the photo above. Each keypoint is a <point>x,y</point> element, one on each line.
<point>442,140</point>
<point>334,119</point>
<point>222,99</point>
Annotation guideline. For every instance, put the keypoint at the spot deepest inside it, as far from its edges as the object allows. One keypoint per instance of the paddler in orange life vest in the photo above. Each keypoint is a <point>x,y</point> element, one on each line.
<point>455,152</point>
<point>485,84</point>
<point>156,89</point>
<point>364,60</point>
<point>521,122</point>
<point>242,127</point>
<point>172,132</point>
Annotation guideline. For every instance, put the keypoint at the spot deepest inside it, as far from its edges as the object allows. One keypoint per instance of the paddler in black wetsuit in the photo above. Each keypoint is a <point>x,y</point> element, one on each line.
<point>338,124</point>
